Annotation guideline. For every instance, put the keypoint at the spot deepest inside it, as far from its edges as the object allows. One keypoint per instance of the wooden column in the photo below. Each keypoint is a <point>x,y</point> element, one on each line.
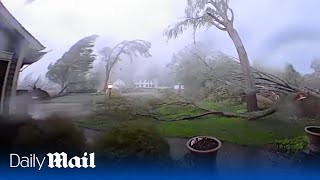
<point>21,56</point>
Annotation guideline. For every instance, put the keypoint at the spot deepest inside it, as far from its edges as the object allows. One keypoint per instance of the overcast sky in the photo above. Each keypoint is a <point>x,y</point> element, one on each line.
<point>273,31</point>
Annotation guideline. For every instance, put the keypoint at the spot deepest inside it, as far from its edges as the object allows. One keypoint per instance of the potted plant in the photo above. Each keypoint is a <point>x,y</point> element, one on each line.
<point>313,133</point>
<point>203,151</point>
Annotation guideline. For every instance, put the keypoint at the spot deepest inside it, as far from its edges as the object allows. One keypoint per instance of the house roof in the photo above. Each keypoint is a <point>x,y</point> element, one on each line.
<point>34,43</point>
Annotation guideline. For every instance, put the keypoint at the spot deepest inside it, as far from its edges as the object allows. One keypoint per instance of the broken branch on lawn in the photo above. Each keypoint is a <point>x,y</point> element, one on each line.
<point>154,114</point>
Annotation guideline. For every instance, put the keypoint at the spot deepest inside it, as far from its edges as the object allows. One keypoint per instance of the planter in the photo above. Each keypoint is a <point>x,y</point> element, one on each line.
<point>313,133</point>
<point>203,151</point>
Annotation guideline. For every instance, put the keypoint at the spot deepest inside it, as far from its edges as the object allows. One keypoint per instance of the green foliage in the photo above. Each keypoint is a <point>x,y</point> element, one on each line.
<point>292,145</point>
<point>74,65</point>
<point>207,75</point>
<point>234,130</point>
<point>202,13</point>
<point>189,71</point>
<point>53,134</point>
<point>223,94</point>
<point>292,76</point>
<point>315,65</point>
<point>197,16</point>
<point>133,142</point>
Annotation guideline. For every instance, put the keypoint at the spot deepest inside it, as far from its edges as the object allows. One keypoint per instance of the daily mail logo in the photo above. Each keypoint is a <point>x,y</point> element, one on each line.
<point>54,160</point>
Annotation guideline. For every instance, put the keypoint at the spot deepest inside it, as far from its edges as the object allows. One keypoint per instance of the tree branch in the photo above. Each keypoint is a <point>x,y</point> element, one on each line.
<point>218,24</point>
<point>67,85</point>
<point>215,18</point>
<point>207,65</point>
<point>206,112</point>
<point>232,15</point>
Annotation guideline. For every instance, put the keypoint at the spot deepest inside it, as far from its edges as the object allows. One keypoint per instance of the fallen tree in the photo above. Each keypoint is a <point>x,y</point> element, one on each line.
<point>264,81</point>
<point>232,77</point>
<point>276,84</point>
<point>42,94</point>
<point>39,92</point>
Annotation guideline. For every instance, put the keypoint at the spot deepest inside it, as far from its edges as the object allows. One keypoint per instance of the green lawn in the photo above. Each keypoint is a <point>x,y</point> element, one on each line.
<point>223,107</point>
<point>233,130</point>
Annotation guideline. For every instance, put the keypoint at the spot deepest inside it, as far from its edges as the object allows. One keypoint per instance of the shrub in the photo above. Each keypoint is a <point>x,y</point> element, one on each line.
<point>9,127</point>
<point>53,134</point>
<point>292,145</point>
<point>133,143</point>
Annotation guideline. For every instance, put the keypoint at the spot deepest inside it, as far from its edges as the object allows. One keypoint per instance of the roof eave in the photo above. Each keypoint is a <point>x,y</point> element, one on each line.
<point>32,41</point>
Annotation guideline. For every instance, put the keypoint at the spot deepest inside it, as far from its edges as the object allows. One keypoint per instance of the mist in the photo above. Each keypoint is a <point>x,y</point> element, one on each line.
<point>268,33</point>
<point>116,72</point>
<point>271,37</point>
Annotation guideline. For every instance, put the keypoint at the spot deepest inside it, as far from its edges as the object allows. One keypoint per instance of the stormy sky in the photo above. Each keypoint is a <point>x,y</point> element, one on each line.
<point>273,31</point>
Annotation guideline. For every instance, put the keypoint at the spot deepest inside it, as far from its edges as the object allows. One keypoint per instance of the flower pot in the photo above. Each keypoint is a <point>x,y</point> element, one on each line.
<point>313,133</point>
<point>203,151</point>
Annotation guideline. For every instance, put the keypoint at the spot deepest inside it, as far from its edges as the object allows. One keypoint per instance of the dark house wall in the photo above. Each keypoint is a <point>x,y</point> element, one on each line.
<point>9,42</point>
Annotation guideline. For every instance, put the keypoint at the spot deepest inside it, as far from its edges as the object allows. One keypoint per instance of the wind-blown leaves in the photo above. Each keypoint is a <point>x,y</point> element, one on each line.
<point>202,13</point>
<point>315,65</point>
<point>75,64</point>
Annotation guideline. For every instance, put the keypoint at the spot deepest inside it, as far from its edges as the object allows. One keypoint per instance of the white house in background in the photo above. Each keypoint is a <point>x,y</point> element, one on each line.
<point>118,84</point>
<point>145,83</point>
<point>178,86</point>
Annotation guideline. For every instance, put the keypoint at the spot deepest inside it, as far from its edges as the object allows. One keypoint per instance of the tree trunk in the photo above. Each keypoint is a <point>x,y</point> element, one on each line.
<point>106,80</point>
<point>62,89</point>
<point>250,89</point>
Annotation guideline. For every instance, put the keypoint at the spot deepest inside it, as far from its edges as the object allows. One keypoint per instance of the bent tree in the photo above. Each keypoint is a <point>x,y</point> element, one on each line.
<point>111,56</point>
<point>73,67</point>
<point>217,13</point>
